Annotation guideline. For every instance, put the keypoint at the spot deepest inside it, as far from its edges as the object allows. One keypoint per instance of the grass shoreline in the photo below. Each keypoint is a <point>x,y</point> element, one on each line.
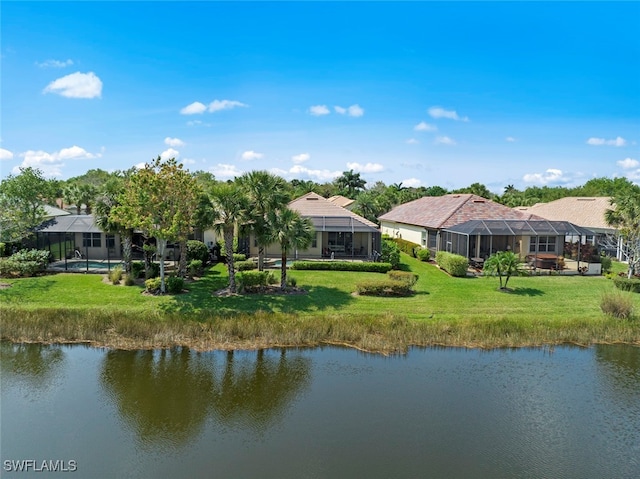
<point>444,311</point>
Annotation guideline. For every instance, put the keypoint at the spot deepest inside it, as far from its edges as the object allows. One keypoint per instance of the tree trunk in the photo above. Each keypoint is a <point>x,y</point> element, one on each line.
<point>127,242</point>
<point>283,270</point>
<point>260,258</point>
<point>182,264</point>
<point>162,245</point>
<point>228,246</point>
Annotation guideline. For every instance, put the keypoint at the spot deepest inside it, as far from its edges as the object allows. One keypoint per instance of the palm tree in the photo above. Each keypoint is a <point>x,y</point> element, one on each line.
<point>350,183</point>
<point>230,206</point>
<point>626,218</point>
<point>291,231</point>
<point>502,263</point>
<point>266,192</point>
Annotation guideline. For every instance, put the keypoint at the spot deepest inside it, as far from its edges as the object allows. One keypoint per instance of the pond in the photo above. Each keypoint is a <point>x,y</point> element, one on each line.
<point>565,412</point>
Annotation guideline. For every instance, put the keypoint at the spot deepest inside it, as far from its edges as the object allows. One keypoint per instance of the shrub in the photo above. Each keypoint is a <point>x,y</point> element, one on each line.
<point>454,264</point>
<point>197,250</point>
<point>606,263</point>
<point>2,248</point>
<point>617,304</point>
<point>423,254</point>
<point>406,277</point>
<point>245,265</point>
<point>365,266</point>
<point>390,253</point>
<point>25,263</point>
<point>239,257</point>
<point>384,287</point>
<point>253,279</point>
<point>152,285</point>
<point>174,284</point>
<point>115,275</point>
<point>137,269</point>
<point>195,267</point>
<point>406,246</point>
<point>627,284</point>
<point>129,280</point>
<point>291,282</point>
<point>153,271</point>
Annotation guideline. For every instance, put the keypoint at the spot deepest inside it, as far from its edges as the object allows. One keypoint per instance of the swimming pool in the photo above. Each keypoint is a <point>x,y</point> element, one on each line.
<point>83,265</point>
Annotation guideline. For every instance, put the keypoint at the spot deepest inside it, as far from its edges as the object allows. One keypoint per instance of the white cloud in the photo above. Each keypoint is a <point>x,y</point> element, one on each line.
<point>140,166</point>
<point>412,141</point>
<point>551,176</point>
<point>300,171</point>
<point>301,158</point>
<point>411,182</point>
<point>367,168</point>
<point>51,163</point>
<point>423,126</point>
<point>439,112</point>
<point>5,154</point>
<point>223,170</point>
<point>55,64</point>
<point>169,153</point>
<point>510,139</point>
<point>218,105</point>
<point>354,110</point>
<point>76,85</point>
<point>319,110</point>
<point>251,155</point>
<point>444,140</point>
<point>175,142</point>
<point>628,163</point>
<point>618,141</point>
<point>194,108</point>
<point>188,161</point>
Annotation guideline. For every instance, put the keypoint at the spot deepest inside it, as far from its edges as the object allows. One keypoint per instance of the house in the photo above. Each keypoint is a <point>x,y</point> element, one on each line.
<point>339,232</point>
<point>423,221</point>
<point>588,212</point>
<point>343,201</point>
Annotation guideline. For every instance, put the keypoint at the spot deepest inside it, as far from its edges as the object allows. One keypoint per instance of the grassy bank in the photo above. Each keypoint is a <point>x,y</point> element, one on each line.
<point>444,311</point>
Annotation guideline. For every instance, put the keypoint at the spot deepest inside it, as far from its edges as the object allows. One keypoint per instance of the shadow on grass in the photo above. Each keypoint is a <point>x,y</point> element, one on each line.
<point>200,299</point>
<point>527,292</point>
<point>24,288</point>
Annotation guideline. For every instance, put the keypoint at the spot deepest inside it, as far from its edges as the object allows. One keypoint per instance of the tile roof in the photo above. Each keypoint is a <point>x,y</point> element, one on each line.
<point>341,201</point>
<point>582,211</point>
<point>327,216</point>
<point>444,211</point>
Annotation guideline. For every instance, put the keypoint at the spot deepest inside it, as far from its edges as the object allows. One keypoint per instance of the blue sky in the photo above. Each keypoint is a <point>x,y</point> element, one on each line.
<point>422,93</point>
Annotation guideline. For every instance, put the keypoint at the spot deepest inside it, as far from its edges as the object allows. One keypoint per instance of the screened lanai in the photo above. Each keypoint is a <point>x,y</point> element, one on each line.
<point>478,239</point>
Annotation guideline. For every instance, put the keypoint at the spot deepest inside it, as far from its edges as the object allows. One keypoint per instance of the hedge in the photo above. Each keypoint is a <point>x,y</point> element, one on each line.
<point>364,266</point>
<point>197,250</point>
<point>627,284</point>
<point>245,265</point>
<point>423,254</point>
<point>25,263</point>
<point>406,246</point>
<point>454,264</point>
<point>397,283</point>
<point>255,279</point>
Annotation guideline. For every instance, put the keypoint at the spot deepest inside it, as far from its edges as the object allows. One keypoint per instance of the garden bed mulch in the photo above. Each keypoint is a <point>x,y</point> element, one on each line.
<point>272,289</point>
<point>4,285</point>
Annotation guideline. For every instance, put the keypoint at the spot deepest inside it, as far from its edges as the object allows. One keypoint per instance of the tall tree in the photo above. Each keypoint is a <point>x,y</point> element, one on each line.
<point>350,183</point>
<point>266,192</point>
<point>291,231</point>
<point>230,206</point>
<point>21,203</point>
<point>160,199</point>
<point>626,218</point>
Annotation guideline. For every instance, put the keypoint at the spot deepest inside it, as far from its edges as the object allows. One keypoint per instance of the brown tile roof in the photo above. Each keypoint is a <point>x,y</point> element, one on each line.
<point>582,211</point>
<point>341,200</point>
<point>324,212</point>
<point>445,211</point>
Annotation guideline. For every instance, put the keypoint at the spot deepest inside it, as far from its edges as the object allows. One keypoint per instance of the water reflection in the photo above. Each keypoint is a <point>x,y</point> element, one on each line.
<point>167,396</point>
<point>620,368</point>
<point>34,366</point>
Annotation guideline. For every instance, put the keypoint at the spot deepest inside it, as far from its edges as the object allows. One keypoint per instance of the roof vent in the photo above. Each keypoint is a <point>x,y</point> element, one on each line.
<point>479,201</point>
<point>312,198</point>
<point>586,199</point>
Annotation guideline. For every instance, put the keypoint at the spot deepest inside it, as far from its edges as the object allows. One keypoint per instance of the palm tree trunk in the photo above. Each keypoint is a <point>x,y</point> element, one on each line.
<point>182,264</point>
<point>283,270</point>
<point>228,246</point>
<point>260,258</point>
<point>127,242</point>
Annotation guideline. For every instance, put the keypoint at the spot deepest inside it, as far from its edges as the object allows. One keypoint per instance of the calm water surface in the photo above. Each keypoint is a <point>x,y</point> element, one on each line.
<point>323,413</point>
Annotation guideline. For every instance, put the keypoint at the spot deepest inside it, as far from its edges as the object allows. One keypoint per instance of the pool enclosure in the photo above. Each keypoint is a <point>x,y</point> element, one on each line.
<point>479,239</point>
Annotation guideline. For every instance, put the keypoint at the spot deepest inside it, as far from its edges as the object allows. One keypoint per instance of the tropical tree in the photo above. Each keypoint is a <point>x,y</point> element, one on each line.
<point>350,183</point>
<point>230,207</point>
<point>160,199</point>
<point>504,264</point>
<point>626,218</point>
<point>21,203</point>
<point>266,192</point>
<point>291,231</point>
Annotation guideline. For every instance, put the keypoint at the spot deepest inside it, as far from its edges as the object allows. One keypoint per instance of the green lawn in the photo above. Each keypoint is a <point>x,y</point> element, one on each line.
<point>437,296</point>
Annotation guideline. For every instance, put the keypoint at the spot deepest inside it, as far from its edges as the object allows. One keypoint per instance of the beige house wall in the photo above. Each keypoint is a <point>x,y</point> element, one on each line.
<point>406,232</point>
<point>98,252</point>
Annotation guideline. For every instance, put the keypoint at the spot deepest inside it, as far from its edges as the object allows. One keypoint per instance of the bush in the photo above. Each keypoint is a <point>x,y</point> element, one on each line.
<point>244,265</point>
<point>617,304</point>
<point>627,284</point>
<point>129,280</point>
<point>174,284</point>
<point>390,253</point>
<point>606,263</point>
<point>137,269</point>
<point>152,285</point>
<point>384,287</point>
<point>2,248</point>
<point>115,275</point>
<point>239,257</point>
<point>153,272</point>
<point>408,247</point>
<point>365,266</point>
<point>423,254</point>
<point>25,263</point>
<point>406,277</point>
<point>197,250</point>
<point>291,282</point>
<point>454,264</point>
<point>195,267</point>
<point>253,279</point>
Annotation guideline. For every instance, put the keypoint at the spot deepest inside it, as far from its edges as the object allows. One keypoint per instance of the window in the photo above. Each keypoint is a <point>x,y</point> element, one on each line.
<point>314,242</point>
<point>546,244</point>
<point>433,239</point>
<point>424,239</point>
<point>91,240</point>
